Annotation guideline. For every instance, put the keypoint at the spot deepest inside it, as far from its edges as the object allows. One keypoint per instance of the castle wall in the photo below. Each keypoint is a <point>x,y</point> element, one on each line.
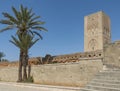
<point>66,74</point>
<point>112,54</point>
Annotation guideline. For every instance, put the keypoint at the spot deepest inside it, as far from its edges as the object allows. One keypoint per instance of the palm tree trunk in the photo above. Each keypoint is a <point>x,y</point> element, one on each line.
<point>25,63</point>
<point>29,70</point>
<point>24,74</point>
<point>20,67</point>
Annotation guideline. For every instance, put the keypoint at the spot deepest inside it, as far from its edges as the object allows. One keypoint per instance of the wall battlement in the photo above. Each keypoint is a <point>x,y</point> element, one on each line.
<point>77,56</point>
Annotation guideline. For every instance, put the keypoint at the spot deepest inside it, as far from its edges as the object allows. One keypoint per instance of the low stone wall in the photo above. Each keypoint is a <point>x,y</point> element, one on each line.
<point>69,74</point>
<point>8,74</point>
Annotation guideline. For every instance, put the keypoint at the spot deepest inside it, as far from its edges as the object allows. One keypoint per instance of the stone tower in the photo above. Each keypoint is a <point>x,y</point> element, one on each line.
<point>96,31</point>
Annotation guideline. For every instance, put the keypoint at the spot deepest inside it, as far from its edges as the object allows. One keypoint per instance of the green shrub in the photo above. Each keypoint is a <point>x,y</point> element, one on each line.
<point>29,80</point>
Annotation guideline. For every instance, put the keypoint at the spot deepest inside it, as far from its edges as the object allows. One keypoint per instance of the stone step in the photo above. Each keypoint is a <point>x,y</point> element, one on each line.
<point>101,88</point>
<point>104,84</point>
<point>108,77</point>
<point>85,89</point>
<point>106,81</point>
<point>106,74</point>
<point>110,67</point>
<point>109,72</point>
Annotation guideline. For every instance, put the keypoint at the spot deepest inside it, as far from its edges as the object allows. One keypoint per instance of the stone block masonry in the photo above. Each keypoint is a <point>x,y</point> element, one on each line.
<point>112,54</point>
<point>64,74</point>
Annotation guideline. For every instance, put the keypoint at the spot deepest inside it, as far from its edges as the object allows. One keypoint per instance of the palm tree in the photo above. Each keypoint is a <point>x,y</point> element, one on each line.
<point>25,22</point>
<point>24,43</point>
<point>1,55</point>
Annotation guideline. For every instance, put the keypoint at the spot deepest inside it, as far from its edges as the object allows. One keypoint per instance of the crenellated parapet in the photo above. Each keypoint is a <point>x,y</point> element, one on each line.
<point>77,56</point>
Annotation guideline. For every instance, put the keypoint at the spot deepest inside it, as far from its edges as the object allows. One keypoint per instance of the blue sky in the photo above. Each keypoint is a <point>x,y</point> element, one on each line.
<point>64,21</point>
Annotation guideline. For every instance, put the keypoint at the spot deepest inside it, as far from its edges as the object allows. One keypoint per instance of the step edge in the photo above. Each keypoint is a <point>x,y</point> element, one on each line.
<point>103,83</point>
<point>106,80</point>
<point>105,87</point>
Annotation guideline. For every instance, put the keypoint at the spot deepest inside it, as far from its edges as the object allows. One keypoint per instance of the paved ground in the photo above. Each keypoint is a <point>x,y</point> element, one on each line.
<point>10,86</point>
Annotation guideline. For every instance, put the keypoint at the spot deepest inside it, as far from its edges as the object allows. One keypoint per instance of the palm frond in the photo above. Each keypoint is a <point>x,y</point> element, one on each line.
<point>17,14</point>
<point>39,28</point>
<point>33,19</point>
<point>38,34</point>
<point>22,9</point>
<point>31,32</point>
<point>23,13</point>
<point>25,17</point>
<point>15,41</point>
<point>33,42</point>
<point>8,22</point>
<point>31,24</point>
<point>31,15</point>
<point>29,11</point>
<point>11,18</point>
<point>7,28</point>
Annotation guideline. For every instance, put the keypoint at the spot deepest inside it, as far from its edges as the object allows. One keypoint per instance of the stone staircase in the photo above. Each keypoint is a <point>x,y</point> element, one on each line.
<point>106,80</point>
